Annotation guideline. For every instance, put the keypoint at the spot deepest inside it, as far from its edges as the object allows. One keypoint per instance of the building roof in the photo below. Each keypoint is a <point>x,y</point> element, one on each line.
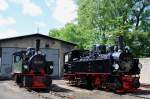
<point>37,35</point>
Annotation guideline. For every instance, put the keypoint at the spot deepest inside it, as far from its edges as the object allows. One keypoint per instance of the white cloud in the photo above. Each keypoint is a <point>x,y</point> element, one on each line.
<point>50,3</point>
<point>7,21</point>
<point>29,7</point>
<point>65,11</point>
<point>3,5</point>
<point>40,24</point>
<point>9,33</point>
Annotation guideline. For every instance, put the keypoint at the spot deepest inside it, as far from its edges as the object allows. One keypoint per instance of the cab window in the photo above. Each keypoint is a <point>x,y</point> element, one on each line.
<point>66,58</point>
<point>17,58</point>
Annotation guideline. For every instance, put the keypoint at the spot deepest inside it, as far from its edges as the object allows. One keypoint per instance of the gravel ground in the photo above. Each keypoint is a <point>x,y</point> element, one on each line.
<point>9,90</point>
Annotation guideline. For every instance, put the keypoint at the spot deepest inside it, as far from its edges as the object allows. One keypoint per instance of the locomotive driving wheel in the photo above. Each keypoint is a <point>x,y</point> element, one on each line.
<point>83,82</point>
<point>136,83</point>
<point>18,80</point>
<point>97,82</point>
<point>116,85</point>
<point>86,82</point>
<point>27,81</point>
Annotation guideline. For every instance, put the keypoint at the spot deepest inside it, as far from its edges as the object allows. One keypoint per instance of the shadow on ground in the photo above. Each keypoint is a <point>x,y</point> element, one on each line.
<point>54,88</point>
<point>5,78</point>
<point>141,94</point>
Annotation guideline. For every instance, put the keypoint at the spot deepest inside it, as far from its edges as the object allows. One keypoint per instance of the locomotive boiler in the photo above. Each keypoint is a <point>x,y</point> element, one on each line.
<point>31,69</point>
<point>104,67</point>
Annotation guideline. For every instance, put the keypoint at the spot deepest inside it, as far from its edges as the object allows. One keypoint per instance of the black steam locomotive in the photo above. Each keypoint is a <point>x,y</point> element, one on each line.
<point>30,68</point>
<point>110,68</point>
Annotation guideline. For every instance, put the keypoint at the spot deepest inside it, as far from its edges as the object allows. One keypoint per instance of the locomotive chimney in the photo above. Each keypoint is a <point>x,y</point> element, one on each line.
<point>37,44</point>
<point>120,42</point>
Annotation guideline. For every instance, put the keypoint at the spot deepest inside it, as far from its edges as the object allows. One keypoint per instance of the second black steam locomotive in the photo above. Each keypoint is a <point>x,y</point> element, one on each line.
<point>112,69</point>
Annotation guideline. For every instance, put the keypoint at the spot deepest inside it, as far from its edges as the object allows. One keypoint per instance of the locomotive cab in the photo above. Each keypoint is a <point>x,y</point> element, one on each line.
<point>74,55</point>
<point>18,62</point>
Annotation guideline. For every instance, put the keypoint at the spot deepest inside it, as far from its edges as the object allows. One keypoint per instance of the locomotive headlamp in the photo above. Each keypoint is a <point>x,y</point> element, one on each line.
<point>137,75</point>
<point>51,67</point>
<point>25,66</point>
<point>140,66</point>
<point>116,66</point>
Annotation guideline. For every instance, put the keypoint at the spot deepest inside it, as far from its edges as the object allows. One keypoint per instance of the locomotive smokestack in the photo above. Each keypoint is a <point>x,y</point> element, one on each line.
<point>37,44</point>
<point>120,42</point>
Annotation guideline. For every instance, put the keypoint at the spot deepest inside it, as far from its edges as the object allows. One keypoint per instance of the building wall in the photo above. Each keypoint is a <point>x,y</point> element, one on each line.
<point>145,71</point>
<point>64,48</point>
<point>31,42</point>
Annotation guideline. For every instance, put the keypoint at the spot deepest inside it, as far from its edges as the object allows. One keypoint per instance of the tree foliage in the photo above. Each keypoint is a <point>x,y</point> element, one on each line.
<point>100,21</point>
<point>69,33</point>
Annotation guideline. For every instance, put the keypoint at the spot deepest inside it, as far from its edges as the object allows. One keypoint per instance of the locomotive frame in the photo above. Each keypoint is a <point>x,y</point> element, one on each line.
<point>97,81</point>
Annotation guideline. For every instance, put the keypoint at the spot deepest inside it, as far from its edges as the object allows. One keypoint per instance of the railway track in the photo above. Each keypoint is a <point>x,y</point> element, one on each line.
<point>144,93</point>
<point>141,95</point>
<point>51,94</point>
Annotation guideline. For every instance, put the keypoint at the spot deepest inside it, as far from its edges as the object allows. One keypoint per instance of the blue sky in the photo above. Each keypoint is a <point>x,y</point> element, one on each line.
<point>21,17</point>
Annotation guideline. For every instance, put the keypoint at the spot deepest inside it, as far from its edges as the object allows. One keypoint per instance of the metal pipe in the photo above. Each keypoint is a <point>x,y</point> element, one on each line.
<point>37,44</point>
<point>120,42</point>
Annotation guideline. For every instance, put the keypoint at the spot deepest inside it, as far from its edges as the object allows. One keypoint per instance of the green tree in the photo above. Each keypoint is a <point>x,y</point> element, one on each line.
<point>100,21</point>
<point>69,33</point>
<point>106,19</point>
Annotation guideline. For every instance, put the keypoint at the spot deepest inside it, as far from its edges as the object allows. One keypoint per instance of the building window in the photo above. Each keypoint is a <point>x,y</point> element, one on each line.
<point>46,45</point>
